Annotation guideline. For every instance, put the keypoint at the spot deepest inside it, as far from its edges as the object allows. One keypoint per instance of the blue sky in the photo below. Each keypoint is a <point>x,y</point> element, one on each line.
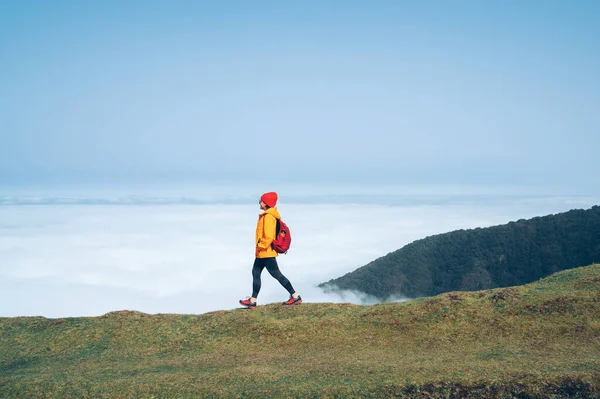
<point>428,92</point>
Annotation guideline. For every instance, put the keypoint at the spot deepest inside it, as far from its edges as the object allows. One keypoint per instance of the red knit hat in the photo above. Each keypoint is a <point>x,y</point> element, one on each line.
<point>269,198</point>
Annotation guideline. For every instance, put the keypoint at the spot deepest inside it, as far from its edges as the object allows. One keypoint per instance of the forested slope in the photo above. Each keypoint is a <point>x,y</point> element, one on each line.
<point>466,260</point>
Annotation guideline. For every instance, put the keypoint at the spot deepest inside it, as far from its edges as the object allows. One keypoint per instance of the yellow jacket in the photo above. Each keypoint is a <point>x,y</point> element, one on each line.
<point>265,233</point>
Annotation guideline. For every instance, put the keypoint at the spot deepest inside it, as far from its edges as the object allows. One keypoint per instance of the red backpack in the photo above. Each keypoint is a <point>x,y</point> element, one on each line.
<point>283,238</point>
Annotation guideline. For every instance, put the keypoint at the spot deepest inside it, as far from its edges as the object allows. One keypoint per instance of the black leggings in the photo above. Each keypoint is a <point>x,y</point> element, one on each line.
<point>273,269</point>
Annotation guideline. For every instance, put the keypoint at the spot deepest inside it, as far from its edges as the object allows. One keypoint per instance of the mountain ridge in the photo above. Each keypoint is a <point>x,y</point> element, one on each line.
<point>537,340</point>
<point>514,253</point>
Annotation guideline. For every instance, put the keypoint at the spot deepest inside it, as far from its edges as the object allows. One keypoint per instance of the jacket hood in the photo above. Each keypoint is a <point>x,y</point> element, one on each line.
<point>273,212</point>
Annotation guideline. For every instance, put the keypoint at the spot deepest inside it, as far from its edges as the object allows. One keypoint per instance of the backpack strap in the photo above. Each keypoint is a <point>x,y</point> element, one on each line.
<point>277,228</point>
<point>277,225</point>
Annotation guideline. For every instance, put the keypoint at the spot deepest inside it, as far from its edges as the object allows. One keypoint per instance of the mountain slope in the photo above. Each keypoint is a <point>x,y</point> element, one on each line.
<point>536,341</point>
<point>466,260</point>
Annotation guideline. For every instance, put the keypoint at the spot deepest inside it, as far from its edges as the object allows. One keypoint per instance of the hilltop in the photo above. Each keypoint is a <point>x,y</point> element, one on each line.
<point>533,341</point>
<point>483,258</point>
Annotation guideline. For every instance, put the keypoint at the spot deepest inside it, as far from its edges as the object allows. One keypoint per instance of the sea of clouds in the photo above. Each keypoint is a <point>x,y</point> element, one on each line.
<point>77,257</point>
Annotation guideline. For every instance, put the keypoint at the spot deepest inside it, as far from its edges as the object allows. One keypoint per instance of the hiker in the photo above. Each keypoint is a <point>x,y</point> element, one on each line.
<point>266,229</point>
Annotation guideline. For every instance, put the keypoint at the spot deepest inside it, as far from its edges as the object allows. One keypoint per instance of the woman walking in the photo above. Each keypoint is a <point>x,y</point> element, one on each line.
<point>266,229</point>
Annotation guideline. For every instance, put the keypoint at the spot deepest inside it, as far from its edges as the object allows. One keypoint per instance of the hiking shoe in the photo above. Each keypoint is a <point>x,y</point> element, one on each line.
<point>246,302</point>
<point>293,301</point>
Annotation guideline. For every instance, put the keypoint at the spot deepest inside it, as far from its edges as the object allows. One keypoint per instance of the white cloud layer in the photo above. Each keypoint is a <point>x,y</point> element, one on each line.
<point>86,260</point>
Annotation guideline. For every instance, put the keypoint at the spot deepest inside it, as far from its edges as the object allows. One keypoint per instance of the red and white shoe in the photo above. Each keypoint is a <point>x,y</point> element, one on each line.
<point>246,302</point>
<point>293,301</point>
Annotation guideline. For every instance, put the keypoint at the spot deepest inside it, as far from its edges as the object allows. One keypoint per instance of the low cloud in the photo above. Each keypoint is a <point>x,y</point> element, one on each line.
<point>85,260</point>
<point>359,297</point>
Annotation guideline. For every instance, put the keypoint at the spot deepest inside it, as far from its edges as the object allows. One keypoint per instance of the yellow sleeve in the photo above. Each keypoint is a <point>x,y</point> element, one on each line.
<point>269,231</point>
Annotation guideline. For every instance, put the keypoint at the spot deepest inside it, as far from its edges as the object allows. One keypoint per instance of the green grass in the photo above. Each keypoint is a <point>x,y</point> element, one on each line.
<point>534,341</point>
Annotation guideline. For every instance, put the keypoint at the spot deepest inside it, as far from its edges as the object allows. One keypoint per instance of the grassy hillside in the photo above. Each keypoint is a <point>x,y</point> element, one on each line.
<point>535,341</point>
<point>468,260</point>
